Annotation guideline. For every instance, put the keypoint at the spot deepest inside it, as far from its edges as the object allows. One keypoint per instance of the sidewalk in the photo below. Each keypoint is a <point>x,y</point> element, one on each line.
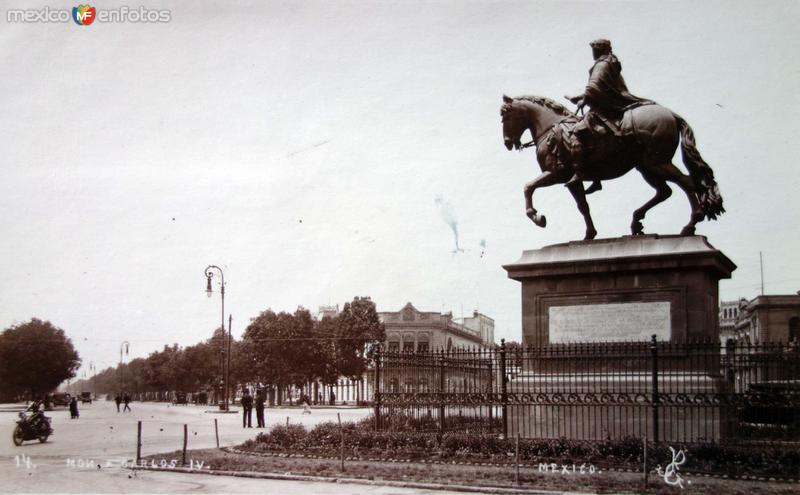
<point>12,408</point>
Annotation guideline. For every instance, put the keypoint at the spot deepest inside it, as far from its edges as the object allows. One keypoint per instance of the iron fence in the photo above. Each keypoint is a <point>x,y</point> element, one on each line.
<point>664,391</point>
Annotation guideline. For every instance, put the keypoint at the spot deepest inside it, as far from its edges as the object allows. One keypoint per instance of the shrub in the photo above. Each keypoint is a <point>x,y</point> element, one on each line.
<point>284,437</point>
<point>361,439</point>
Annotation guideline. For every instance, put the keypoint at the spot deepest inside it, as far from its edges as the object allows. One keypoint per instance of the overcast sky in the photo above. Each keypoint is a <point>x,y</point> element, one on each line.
<point>318,151</point>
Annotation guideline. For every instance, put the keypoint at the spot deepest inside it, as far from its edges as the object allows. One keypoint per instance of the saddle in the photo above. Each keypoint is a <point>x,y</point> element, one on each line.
<point>597,136</point>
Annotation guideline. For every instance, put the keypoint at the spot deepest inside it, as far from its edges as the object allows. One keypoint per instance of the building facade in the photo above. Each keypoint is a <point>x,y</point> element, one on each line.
<point>412,330</point>
<point>728,312</point>
<point>769,319</point>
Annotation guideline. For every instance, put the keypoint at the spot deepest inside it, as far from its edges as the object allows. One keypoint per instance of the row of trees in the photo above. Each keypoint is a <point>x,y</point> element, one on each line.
<point>277,349</point>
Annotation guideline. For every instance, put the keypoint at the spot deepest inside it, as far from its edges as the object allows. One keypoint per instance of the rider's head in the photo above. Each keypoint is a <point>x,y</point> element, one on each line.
<point>600,47</point>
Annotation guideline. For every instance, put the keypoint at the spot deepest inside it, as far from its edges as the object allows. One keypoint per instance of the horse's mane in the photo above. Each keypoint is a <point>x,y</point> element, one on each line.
<point>547,102</point>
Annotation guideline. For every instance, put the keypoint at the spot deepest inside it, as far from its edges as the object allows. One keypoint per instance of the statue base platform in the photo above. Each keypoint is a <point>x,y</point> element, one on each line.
<point>621,290</point>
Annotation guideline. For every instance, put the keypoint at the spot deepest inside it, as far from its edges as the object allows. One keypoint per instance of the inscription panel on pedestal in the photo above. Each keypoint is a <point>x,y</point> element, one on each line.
<point>614,322</point>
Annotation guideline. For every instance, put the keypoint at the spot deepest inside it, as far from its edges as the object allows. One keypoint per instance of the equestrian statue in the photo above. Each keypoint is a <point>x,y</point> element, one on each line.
<point>620,132</point>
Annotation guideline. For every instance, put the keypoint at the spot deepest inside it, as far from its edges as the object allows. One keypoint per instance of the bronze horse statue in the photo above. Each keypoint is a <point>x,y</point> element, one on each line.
<point>653,134</point>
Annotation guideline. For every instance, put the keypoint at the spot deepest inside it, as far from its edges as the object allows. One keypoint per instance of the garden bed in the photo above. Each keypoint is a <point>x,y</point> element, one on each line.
<point>458,473</point>
<point>362,442</point>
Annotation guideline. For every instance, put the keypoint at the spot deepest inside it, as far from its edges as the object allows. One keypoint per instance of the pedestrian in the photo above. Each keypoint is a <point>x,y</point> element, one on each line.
<point>118,400</point>
<point>127,400</point>
<point>247,410</point>
<point>260,409</point>
<point>73,408</point>
<point>306,405</point>
<point>332,398</point>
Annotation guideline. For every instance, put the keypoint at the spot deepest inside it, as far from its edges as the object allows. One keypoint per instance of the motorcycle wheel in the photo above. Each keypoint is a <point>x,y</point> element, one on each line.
<point>43,437</point>
<point>18,436</point>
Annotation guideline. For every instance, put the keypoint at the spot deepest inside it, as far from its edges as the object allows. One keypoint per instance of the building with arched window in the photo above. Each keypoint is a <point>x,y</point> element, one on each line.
<point>728,312</point>
<point>412,330</point>
<point>769,319</point>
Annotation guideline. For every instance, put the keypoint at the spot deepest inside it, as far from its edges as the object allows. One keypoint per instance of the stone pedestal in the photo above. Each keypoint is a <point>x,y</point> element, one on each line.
<point>622,289</point>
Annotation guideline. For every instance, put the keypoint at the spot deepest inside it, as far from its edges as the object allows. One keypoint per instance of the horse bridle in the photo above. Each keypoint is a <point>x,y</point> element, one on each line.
<point>535,140</point>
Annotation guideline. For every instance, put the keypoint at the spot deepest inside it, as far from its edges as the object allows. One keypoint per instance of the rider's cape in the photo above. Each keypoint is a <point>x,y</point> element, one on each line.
<point>606,90</point>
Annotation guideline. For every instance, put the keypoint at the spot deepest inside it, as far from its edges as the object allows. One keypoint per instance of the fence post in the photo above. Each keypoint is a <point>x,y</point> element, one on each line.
<point>729,412</point>
<point>185,438</point>
<point>216,431</point>
<point>441,389</point>
<point>138,442</point>
<point>491,391</point>
<point>656,400</point>
<point>644,456</point>
<point>341,434</point>
<point>503,392</point>
<point>377,390</point>
<point>516,476</point>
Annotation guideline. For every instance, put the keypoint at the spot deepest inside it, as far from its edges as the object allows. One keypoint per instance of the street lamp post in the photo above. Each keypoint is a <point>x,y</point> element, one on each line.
<point>209,272</point>
<point>124,346</point>
<point>94,382</point>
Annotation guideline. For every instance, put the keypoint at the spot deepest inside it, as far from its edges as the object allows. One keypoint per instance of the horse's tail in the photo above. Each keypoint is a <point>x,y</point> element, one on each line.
<point>702,176</point>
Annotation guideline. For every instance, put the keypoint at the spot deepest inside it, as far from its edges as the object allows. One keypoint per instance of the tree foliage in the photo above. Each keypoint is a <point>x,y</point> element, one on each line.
<point>35,357</point>
<point>358,326</point>
<point>277,349</point>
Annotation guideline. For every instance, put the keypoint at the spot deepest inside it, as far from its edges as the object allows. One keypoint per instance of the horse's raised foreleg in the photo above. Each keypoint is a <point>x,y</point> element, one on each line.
<point>546,179</point>
<point>663,192</point>
<point>674,175</point>
<point>583,206</point>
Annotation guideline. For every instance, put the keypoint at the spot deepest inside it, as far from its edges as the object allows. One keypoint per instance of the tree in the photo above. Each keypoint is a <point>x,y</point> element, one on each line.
<point>359,330</point>
<point>322,352</point>
<point>35,357</point>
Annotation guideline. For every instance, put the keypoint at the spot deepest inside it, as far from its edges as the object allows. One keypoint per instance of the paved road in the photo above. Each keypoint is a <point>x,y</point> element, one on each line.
<point>67,463</point>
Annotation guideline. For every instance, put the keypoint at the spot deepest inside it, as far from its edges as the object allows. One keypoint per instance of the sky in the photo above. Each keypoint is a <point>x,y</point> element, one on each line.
<point>318,151</point>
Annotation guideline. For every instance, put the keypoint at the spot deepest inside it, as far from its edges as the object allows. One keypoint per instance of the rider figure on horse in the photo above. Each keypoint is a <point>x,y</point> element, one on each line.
<point>608,98</point>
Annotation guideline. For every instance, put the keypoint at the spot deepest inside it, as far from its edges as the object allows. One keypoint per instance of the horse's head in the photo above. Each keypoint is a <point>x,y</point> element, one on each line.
<point>513,123</point>
<point>534,113</point>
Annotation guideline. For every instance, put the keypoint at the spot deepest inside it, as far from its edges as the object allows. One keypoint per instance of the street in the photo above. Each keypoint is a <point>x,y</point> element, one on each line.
<point>85,455</point>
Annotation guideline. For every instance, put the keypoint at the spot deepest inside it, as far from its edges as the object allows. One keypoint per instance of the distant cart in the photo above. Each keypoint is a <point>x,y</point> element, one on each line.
<point>180,398</point>
<point>86,397</point>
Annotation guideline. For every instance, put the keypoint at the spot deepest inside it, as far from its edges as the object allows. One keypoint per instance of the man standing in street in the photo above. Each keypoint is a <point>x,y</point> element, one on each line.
<point>118,400</point>
<point>260,409</point>
<point>127,400</point>
<point>247,410</point>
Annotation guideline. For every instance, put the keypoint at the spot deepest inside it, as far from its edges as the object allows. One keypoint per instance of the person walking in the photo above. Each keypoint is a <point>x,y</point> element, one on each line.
<point>127,400</point>
<point>247,410</point>
<point>260,409</point>
<point>118,400</point>
<point>73,408</point>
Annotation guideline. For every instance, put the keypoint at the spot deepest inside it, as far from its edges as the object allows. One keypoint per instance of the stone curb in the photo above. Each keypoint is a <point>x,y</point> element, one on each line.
<point>359,481</point>
<point>688,474</point>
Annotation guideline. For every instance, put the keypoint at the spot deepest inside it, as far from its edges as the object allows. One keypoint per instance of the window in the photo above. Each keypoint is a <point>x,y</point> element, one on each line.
<point>394,346</point>
<point>408,346</point>
<point>422,347</point>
